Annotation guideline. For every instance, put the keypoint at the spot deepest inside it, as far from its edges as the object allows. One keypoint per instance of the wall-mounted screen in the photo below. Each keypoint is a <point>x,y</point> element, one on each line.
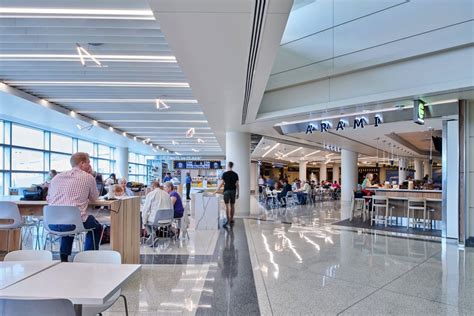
<point>196,164</point>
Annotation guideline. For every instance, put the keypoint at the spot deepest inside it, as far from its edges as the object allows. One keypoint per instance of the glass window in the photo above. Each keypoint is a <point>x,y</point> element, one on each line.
<point>103,166</point>
<point>61,143</point>
<point>1,158</point>
<point>132,157</point>
<point>86,147</point>
<point>60,162</point>
<point>27,160</point>
<point>26,179</point>
<point>1,183</point>
<point>141,159</point>
<point>104,152</point>
<point>27,137</point>
<point>1,135</point>
<point>132,168</point>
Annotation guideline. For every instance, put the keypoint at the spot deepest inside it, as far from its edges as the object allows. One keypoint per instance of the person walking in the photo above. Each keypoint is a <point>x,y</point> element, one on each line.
<point>188,186</point>
<point>230,181</point>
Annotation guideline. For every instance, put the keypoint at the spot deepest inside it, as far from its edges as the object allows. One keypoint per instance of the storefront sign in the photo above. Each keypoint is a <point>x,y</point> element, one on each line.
<point>419,112</point>
<point>359,122</point>
<point>196,164</point>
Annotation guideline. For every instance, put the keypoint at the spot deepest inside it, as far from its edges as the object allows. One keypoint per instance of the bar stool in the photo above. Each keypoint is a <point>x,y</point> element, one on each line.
<point>10,215</point>
<point>430,211</point>
<point>358,205</point>
<point>416,205</point>
<point>379,203</point>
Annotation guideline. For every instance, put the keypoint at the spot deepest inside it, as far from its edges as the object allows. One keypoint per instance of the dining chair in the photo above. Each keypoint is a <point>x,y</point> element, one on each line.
<point>163,219</point>
<point>37,307</point>
<point>11,217</point>
<point>101,257</point>
<point>29,255</point>
<point>63,215</point>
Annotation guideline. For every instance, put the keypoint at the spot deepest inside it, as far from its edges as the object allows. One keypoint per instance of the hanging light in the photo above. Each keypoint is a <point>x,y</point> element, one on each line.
<point>161,105</point>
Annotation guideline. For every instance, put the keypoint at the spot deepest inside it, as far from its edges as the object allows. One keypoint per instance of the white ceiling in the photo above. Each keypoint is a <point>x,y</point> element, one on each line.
<point>38,55</point>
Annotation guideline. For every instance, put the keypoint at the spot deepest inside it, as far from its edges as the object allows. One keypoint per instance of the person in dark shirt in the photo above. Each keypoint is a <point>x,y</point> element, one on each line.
<point>285,189</point>
<point>188,186</point>
<point>230,181</point>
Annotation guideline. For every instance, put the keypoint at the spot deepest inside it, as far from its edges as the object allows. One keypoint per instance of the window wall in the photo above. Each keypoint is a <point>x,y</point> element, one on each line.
<point>137,168</point>
<point>27,154</point>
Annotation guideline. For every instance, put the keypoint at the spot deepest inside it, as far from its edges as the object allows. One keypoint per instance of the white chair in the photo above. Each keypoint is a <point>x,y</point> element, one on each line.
<point>37,307</point>
<point>10,214</point>
<point>63,215</point>
<point>416,205</point>
<point>100,257</point>
<point>29,255</point>
<point>163,219</point>
<point>358,205</point>
<point>379,203</point>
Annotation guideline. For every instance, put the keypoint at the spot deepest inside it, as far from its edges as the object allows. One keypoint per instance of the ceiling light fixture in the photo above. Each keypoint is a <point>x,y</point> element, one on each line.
<point>161,105</point>
<point>154,150</point>
<point>83,50</point>
<point>266,147</point>
<point>111,128</point>
<point>270,150</point>
<point>292,152</point>
<point>190,132</point>
<point>174,142</point>
<point>195,150</point>
<point>313,153</point>
<point>200,140</point>
<point>121,100</point>
<point>67,83</point>
<point>82,128</point>
<point>75,11</point>
<point>177,153</point>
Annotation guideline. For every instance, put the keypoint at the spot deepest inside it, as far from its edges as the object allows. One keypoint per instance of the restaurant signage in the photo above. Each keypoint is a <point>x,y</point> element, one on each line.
<point>196,164</point>
<point>419,112</point>
<point>326,125</point>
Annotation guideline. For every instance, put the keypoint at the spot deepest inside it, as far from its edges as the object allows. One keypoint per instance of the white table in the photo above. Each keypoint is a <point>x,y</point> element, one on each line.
<point>12,272</point>
<point>81,283</point>
<point>206,210</point>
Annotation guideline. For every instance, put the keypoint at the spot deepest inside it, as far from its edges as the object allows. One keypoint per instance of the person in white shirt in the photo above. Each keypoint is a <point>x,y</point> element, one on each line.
<point>155,201</point>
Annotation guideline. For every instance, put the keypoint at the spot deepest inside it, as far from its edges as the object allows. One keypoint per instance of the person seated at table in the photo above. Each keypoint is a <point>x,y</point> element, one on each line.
<point>176,201</point>
<point>111,180</point>
<point>336,185</point>
<point>155,201</point>
<point>368,181</point>
<point>271,183</point>
<point>303,193</point>
<point>76,187</point>
<point>52,173</point>
<point>123,184</point>
<point>278,185</point>
<point>117,191</point>
<point>286,187</point>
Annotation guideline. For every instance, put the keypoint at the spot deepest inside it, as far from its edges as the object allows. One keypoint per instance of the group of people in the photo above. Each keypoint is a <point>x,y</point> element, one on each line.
<point>302,189</point>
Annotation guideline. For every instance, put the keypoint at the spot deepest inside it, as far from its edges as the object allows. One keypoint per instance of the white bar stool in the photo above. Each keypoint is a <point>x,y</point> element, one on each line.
<point>416,205</point>
<point>379,203</point>
<point>358,205</point>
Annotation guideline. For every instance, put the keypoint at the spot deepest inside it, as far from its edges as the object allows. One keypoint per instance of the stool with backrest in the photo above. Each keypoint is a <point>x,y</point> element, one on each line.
<point>379,208</point>
<point>29,255</point>
<point>63,215</point>
<point>358,205</point>
<point>163,219</point>
<point>10,220</point>
<point>430,210</point>
<point>101,257</point>
<point>416,206</point>
<point>36,307</point>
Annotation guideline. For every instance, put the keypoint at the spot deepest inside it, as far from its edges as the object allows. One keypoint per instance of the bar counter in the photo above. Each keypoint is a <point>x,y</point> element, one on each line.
<point>398,199</point>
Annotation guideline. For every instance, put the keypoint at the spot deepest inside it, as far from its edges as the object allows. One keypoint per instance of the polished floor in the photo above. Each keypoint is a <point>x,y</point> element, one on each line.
<point>295,261</point>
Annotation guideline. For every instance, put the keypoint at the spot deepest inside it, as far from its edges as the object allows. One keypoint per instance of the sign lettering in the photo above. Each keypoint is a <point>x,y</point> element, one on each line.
<point>419,112</point>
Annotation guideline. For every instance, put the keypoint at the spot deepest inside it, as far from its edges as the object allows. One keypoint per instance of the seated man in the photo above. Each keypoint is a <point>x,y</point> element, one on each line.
<point>303,193</point>
<point>155,201</point>
<point>76,187</point>
<point>285,189</point>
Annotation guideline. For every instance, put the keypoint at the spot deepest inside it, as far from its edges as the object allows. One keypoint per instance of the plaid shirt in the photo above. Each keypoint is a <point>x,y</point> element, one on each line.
<point>73,188</point>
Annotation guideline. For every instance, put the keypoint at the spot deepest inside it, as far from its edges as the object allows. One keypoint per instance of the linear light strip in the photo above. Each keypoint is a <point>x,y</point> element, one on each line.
<point>123,100</point>
<point>102,84</point>
<point>292,152</point>
<point>144,112</point>
<point>313,153</point>
<point>170,58</point>
<point>271,149</point>
<point>73,16</point>
<point>19,10</point>
<point>158,121</point>
<point>89,55</point>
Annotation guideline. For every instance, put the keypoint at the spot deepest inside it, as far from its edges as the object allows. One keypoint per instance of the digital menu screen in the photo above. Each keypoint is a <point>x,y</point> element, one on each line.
<point>197,164</point>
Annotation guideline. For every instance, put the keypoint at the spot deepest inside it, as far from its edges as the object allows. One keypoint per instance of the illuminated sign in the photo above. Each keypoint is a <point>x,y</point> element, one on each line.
<point>196,164</point>
<point>359,122</point>
<point>419,112</point>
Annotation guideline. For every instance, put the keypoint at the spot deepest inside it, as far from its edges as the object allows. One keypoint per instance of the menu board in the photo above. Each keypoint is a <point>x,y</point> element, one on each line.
<point>196,164</point>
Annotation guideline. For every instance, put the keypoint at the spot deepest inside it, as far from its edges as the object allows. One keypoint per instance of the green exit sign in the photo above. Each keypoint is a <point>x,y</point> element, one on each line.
<point>419,112</point>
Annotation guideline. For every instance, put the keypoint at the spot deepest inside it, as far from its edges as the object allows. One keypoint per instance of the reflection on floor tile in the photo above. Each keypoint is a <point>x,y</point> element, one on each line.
<point>202,242</point>
<point>164,289</point>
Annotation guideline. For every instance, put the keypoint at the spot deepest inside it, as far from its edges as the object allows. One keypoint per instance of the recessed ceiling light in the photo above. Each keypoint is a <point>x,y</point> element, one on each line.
<point>122,100</point>
<point>313,153</point>
<point>199,140</point>
<point>174,142</point>
<point>67,83</point>
<point>111,128</point>
<point>292,152</point>
<point>270,150</point>
<point>195,150</point>
<point>76,13</point>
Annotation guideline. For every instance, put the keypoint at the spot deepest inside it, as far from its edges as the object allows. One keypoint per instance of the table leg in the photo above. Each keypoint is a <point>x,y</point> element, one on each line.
<point>78,309</point>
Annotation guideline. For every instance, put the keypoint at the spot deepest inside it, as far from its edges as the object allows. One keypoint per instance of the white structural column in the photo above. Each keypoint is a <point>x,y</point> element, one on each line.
<point>238,151</point>
<point>303,170</point>
<point>402,170</point>
<point>121,162</point>
<point>335,172</point>
<point>418,169</point>
<point>426,168</point>
<point>348,180</point>
<point>323,172</point>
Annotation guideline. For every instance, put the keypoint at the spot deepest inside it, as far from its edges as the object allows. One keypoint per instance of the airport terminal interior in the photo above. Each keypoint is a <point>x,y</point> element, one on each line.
<point>238,157</point>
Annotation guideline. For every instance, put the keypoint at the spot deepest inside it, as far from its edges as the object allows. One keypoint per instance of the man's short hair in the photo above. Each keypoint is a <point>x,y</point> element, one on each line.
<point>155,184</point>
<point>231,164</point>
<point>78,157</point>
